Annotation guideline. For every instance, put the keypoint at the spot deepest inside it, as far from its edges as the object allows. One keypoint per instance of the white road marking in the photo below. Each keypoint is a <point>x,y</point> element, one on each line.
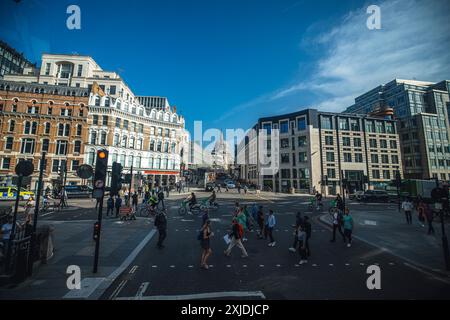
<point>141,290</point>
<point>154,266</point>
<point>118,289</point>
<point>297,265</point>
<point>172,266</point>
<point>228,266</point>
<point>391,263</point>
<point>261,266</point>
<point>361,264</point>
<point>186,220</point>
<point>210,295</point>
<point>244,266</point>
<point>331,264</point>
<point>133,270</point>
<point>278,265</point>
<point>190,266</point>
<point>347,264</point>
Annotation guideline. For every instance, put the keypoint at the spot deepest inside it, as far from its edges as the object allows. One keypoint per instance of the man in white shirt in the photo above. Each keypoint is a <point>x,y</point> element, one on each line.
<point>407,206</point>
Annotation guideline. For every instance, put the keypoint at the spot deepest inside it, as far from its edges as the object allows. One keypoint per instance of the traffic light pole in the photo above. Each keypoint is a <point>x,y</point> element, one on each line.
<point>97,240</point>
<point>13,230</point>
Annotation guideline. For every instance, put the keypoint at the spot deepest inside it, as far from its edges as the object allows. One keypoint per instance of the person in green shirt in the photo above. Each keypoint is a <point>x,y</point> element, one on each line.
<point>348,227</point>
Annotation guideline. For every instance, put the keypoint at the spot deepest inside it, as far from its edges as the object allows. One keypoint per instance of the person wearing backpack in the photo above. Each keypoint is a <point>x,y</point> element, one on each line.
<point>161,225</point>
<point>161,198</point>
<point>298,223</point>
<point>307,228</point>
<point>337,225</point>
<point>118,204</point>
<point>237,231</point>
<point>204,237</point>
<point>110,205</point>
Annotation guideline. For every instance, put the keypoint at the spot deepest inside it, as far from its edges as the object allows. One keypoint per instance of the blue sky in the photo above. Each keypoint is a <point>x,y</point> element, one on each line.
<point>229,62</point>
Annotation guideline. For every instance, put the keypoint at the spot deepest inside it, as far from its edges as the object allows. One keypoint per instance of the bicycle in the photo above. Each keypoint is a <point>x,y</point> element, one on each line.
<point>148,211</point>
<point>205,205</point>
<point>184,208</point>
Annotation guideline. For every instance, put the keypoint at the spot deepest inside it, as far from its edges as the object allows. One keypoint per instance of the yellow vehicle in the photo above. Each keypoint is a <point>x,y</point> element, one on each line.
<point>9,193</point>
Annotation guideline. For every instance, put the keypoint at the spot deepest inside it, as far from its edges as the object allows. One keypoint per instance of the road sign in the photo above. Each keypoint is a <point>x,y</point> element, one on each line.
<point>24,168</point>
<point>85,171</point>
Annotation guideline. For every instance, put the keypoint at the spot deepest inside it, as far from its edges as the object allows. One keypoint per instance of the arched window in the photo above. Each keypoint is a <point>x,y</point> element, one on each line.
<point>91,157</point>
<point>67,129</point>
<point>164,164</point>
<point>77,146</point>
<point>123,158</point>
<point>79,129</point>
<point>138,161</point>
<point>47,128</point>
<point>169,164</point>
<point>150,162</point>
<point>124,141</point>
<point>114,157</point>
<point>172,148</point>
<point>103,138</point>
<point>157,163</point>
<point>12,125</point>
<point>97,101</point>
<point>60,129</point>
<point>93,137</point>
<point>159,146</point>
<point>34,128</point>
<point>107,102</point>
<point>139,144</point>
<point>130,160</point>
<point>132,139</point>
<point>152,145</point>
<point>27,127</point>
<point>166,147</point>
<point>116,139</point>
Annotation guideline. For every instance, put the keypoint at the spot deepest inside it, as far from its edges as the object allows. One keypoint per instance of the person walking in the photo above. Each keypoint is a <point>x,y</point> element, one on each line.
<point>270,225</point>
<point>242,220</point>
<point>421,209</point>
<point>245,189</point>
<point>161,225</point>
<point>260,220</point>
<point>307,228</point>
<point>298,223</point>
<point>301,236</point>
<point>134,200</point>
<point>407,207</point>
<point>218,188</point>
<point>337,223</point>
<point>161,198</point>
<point>205,235</point>
<point>118,204</point>
<point>348,227</point>
<point>429,217</point>
<point>167,191</point>
<point>127,197</point>
<point>63,196</point>
<point>110,205</point>
<point>236,235</point>
<point>239,188</point>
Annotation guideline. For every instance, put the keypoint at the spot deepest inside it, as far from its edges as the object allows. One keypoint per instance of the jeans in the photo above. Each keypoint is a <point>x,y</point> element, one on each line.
<point>162,236</point>
<point>302,251</point>
<point>238,243</point>
<point>408,217</point>
<point>269,233</point>
<point>348,235</point>
<point>108,210</point>
<point>337,227</point>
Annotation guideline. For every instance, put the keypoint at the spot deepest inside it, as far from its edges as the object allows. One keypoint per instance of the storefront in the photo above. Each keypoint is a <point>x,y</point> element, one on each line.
<point>161,178</point>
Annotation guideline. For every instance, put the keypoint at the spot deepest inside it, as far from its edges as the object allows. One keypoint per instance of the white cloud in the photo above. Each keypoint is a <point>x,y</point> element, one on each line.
<point>414,42</point>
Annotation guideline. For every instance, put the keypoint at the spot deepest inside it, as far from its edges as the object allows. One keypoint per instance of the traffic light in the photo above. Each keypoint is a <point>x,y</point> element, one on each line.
<point>101,165</point>
<point>116,178</point>
<point>96,231</point>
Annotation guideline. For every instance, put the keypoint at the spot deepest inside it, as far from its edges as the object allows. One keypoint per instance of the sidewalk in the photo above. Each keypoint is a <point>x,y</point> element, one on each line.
<point>120,243</point>
<point>388,231</point>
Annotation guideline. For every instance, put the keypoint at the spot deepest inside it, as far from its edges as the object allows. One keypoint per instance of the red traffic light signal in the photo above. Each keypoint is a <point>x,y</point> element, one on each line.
<point>96,235</point>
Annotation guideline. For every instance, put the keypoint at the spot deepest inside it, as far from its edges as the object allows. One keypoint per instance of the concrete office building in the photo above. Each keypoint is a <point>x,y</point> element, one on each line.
<point>150,102</point>
<point>315,147</point>
<point>422,109</point>
<point>12,61</point>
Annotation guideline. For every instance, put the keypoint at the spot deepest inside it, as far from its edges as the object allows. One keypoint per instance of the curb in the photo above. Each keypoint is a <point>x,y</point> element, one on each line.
<point>445,277</point>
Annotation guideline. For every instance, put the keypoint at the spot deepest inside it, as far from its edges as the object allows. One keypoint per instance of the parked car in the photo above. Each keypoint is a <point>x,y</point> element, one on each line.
<point>210,186</point>
<point>356,196</point>
<point>9,193</point>
<point>78,191</point>
<point>230,185</point>
<point>375,196</point>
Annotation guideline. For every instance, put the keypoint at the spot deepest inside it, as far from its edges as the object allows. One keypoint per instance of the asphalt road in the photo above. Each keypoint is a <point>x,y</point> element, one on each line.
<point>333,272</point>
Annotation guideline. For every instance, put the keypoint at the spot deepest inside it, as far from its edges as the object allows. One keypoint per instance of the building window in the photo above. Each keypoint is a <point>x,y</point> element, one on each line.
<point>95,119</point>
<point>329,140</point>
<point>118,122</point>
<point>152,145</point>
<point>91,157</point>
<point>45,144</point>
<point>346,141</point>
<point>159,146</point>
<point>284,126</point>
<point>159,131</point>
<point>267,127</point>
<point>166,147</point>
<point>75,165</point>
<point>9,143</point>
<point>12,125</point>
<point>125,124</point>
<point>80,70</point>
<point>105,120</point>
<point>112,90</point>
<point>6,163</point>
<point>140,128</point>
<point>123,159</point>
<point>330,156</point>
<point>384,158</point>
<point>379,127</point>
<point>302,157</point>
<point>301,124</point>
<point>386,174</point>
<point>47,128</point>
<point>77,147</point>
<point>114,157</point>
<point>157,163</point>
<point>358,157</point>
<point>67,130</point>
<point>376,174</point>
<point>373,143</point>
<point>116,140</point>
<point>49,110</point>
<point>27,146</point>
<point>383,144</point>
<point>103,138</point>
<point>390,127</point>
<point>61,147</point>
<point>285,158</point>
<point>331,173</point>
<point>60,130</point>
<point>374,158</point>
<point>347,157</point>
<point>139,144</point>
<point>93,137</point>
<point>132,142</point>
<point>357,142</point>
<point>152,130</point>
<point>326,123</point>
<point>124,142</point>
<point>47,69</point>
<point>394,159</point>
<point>27,128</point>
<point>285,173</point>
<point>79,128</point>
<point>164,164</point>
<point>343,124</point>
<point>370,126</point>
<point>354,125</point>
<point>150,162</point>
<point>138,161</point>
<point>302,141</point>
<point>284,143</point>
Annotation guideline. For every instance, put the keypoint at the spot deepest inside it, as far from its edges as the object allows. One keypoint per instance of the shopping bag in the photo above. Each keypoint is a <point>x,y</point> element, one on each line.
<point>227,239</point>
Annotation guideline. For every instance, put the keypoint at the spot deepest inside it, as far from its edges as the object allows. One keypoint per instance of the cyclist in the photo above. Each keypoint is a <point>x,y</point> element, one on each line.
<point>212,198</point>
<point>153,201</point>
<point>192,200</point>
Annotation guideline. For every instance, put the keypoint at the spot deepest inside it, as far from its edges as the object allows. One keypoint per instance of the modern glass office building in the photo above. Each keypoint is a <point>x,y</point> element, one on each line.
<point>423,112</point>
